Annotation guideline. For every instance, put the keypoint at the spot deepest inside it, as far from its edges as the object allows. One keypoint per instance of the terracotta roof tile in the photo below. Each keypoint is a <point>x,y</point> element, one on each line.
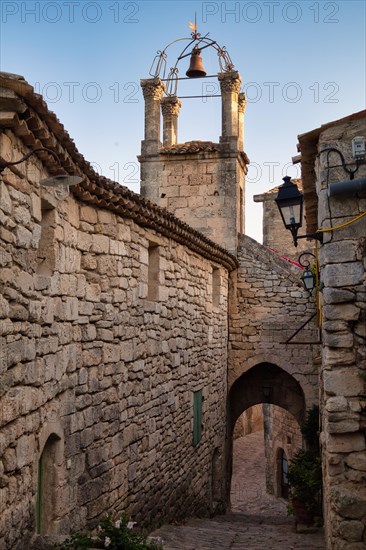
<point>189,147</point>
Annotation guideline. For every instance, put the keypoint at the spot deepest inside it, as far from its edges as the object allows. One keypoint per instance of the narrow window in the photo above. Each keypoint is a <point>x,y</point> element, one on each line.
<point>46,248</point>
<point>215,287</point>
<point>153,272</point>
<point>197,417</point>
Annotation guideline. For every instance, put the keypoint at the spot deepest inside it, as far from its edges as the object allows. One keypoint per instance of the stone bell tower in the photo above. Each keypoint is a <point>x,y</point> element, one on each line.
<point>200,182</point>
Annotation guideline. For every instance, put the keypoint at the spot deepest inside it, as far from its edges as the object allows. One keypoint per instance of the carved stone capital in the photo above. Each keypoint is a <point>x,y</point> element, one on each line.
<point>170,106</point>
<point>230,82</point>
<point>242,102</point>
<point>152,87</point>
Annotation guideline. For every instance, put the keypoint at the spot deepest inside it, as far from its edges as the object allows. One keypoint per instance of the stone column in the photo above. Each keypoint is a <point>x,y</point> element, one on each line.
<point>153,90</point>
<point>242,102</point>
<point>230,87</point>
<point>170,107</point>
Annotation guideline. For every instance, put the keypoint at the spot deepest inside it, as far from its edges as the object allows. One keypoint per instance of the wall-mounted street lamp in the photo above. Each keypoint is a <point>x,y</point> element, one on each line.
<point>309,278</point>
<point>290,204</point>
<point>60,179</point>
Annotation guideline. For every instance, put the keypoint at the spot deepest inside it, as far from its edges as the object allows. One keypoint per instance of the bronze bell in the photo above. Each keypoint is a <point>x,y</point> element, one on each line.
<point>196,69</point>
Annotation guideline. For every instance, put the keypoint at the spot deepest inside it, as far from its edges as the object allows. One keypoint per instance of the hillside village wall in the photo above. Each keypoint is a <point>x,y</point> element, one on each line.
<point>342,271</point>
<point>109,329</point>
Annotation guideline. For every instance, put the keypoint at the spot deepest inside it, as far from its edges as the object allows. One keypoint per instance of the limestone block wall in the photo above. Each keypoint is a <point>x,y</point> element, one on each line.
<point>250,421</point>
<point>201,182</point>
<point>270,306</point>
<point>282,434</point>
<point>342,271</point>
<point>203,189</point>
<point>107,330</point>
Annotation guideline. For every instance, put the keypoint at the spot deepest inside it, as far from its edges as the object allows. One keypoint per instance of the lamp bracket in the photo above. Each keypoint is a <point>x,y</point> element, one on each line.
<point>288,341</point>
<point>317,236</point>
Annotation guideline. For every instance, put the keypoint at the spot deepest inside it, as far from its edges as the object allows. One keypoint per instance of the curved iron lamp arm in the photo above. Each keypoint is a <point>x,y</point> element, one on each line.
<point>4,164</point>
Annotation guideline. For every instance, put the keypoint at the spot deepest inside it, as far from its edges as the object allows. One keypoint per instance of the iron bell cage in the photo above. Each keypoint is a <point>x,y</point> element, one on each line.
<point>196,43</point>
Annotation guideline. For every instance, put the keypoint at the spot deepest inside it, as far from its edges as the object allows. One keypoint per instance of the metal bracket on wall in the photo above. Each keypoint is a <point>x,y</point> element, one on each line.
<point>288,341</point>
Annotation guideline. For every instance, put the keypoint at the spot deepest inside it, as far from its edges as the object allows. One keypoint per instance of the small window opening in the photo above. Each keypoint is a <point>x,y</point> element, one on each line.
<point>197,417</point>
<point>215,287</point>
<point>153,272</point>
<point>46,254</point>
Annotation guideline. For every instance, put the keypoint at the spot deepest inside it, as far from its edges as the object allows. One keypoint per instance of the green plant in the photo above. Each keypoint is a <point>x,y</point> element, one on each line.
<point>310,429</point>
<point>112,534</point>
<point>305,473</point>
<point>305,480</point>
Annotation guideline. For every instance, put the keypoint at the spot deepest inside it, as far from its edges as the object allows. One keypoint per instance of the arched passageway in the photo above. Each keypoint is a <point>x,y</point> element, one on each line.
<point>264,383</point>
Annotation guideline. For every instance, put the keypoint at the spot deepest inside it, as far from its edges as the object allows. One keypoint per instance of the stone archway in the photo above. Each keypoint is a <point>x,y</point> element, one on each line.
<point>263,383</point>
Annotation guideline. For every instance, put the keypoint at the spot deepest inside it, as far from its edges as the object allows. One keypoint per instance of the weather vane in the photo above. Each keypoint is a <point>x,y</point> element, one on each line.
<point>196,69</point>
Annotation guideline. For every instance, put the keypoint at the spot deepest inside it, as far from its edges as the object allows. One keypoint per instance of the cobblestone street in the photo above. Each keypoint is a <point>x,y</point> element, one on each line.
<point>257,521</point>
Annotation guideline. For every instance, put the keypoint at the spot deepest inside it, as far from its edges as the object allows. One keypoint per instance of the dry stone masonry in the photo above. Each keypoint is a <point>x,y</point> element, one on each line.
<point>134,333</point>
<point>201,182</point>
<point>97,380</point>
<point>342,272</point>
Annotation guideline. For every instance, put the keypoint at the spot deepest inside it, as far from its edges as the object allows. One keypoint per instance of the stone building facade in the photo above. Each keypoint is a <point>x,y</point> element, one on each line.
<point>131,341</point>
<point>111,330</point>
<point>203,183</point>
<point>333,208</point>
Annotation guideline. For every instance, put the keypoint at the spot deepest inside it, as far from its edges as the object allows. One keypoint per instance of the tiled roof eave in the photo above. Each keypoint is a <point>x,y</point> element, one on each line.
<point>151,216</point>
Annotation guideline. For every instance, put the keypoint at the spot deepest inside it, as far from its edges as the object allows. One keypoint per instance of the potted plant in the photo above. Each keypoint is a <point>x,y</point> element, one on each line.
<point>305,474</point>
<point>305,482</point>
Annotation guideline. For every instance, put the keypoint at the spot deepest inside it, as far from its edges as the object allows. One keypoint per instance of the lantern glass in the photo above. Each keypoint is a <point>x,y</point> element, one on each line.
<point>291,215</point>
<point>290,204</point>
<point>308,279</point>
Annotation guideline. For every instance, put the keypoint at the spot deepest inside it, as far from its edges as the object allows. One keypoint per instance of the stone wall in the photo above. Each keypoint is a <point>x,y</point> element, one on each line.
<point>342,271</point>
<point>250,421</point>
<point>267,307</point>
<point>200,182</point>
<point>282,434</point>
<point>96,377</point>
<point>202,189</point>
<point>270,306</point>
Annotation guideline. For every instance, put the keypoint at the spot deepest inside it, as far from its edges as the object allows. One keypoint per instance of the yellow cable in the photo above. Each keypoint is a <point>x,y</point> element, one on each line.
<point>342,225</point>
<point>318,302</point>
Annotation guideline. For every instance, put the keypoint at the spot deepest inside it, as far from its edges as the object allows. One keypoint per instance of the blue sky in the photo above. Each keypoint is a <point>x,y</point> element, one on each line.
<point>302,65</point>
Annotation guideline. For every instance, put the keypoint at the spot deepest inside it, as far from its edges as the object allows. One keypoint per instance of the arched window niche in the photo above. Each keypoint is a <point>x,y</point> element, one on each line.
<point>49,480</point>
